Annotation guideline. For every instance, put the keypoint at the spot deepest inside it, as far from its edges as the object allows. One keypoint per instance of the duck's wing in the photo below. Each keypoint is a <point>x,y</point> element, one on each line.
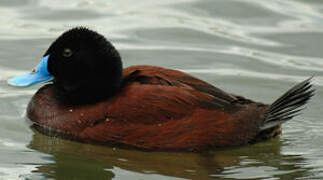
<point>165,117</point>
<point>169,77</point>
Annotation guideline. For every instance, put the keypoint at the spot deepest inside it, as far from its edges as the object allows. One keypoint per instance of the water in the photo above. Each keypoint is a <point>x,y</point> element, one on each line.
<point>258,49</point>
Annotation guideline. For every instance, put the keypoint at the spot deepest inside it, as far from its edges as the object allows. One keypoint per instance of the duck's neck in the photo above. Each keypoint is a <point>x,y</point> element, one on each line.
<point>91,89</point>
<point>86,95</point>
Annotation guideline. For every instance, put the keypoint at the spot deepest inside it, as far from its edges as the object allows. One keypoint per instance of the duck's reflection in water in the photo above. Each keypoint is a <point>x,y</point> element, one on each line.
<point>72,160</point>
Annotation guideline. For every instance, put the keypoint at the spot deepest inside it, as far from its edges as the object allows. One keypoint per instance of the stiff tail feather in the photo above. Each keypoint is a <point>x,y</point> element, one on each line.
<point>288,105</point>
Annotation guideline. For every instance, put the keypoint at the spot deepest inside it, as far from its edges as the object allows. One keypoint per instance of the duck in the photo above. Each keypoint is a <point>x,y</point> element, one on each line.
<point>90,98</point>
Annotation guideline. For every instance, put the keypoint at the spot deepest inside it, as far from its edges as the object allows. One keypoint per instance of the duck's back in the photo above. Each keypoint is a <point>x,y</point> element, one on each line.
<point>155,109</point>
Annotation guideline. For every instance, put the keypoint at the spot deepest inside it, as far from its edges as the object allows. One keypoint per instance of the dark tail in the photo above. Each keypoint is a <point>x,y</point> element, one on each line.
<point>288,105</point>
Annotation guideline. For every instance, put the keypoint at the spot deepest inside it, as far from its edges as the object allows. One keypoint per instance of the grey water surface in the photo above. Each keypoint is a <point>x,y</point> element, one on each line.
<point>258,49</point>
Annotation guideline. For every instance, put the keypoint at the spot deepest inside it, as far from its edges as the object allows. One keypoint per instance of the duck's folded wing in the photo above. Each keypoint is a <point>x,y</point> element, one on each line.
<point>168,77</point>
<point>157,117</point>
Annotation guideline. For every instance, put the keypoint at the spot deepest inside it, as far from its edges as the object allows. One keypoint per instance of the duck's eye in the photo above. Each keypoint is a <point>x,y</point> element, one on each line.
<point>67,52</point>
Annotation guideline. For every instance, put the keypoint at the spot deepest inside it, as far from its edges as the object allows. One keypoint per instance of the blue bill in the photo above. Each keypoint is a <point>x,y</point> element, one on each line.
<point>37,75</point>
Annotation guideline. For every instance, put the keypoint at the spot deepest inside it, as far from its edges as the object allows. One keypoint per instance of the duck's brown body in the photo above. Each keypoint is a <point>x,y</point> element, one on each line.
<point>155,109</point>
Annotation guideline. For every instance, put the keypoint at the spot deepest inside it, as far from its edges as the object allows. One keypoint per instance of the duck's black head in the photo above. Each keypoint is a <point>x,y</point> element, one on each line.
<point>86,67</point>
